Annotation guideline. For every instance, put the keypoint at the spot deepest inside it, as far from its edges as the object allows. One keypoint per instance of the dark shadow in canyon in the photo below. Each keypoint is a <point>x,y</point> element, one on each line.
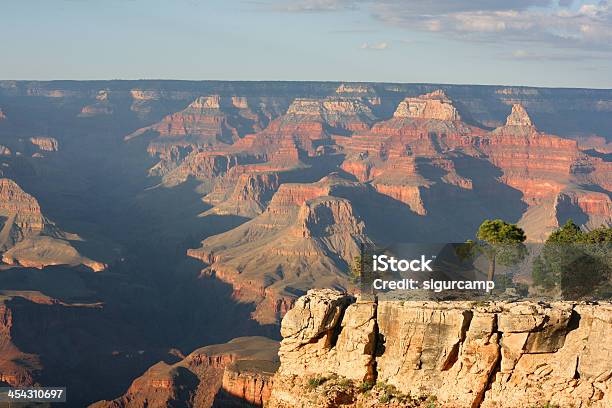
<point>151,299</point>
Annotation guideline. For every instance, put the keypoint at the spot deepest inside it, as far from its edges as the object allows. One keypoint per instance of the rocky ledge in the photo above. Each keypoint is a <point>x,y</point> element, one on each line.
<point>338,350</point>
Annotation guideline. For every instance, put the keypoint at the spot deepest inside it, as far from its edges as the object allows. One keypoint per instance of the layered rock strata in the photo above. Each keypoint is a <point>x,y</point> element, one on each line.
<point>460,354</point>
<point>30,239</point>
<point>234,374</point>
<point>308,235</point>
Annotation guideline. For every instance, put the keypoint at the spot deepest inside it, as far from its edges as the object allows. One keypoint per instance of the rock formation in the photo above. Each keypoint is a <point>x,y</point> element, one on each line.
<point>346,113</point>
<point>23,217</point>
<point>435,105</point>
<point>234,374</point>
<point>230,127</point>
<point>17,368</point>
<point>306,236</point>
<point>28,238</point>
<point>101,107</point>
<point>249,197</point>
<point>41,251</point>
<point>518,116</point>
<point>460,354</point>
<point>202,122</point>
<point>47,144</point>
<point>207,124</point>
<point>545,169</point>
<point>307,126</point>
<point>420,159</point>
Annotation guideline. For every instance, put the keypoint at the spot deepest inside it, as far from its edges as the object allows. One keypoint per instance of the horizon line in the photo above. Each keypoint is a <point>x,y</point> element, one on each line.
<point>326,81</point>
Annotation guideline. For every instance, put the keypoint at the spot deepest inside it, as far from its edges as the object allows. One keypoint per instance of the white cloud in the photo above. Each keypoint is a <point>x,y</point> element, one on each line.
<point>588,26</point>
<point>561,24</point>
<point>316,5</point>
<point>520,54</point>
<point>375,46</point>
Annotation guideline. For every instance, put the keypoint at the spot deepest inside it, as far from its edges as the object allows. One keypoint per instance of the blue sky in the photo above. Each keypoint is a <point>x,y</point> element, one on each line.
<point>519,42</point>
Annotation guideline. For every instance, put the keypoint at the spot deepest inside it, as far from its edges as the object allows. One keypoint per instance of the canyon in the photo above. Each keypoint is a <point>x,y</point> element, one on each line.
<point>193,216</point>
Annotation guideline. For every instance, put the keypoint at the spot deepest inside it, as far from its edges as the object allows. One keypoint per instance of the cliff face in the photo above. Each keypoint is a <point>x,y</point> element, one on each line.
<point>28,238</point>
<point>307,127</point>
<point>11,372</point>
<point>461,354</point>
<point>288,245</point>
<point>207,120</point>
<point>250,196</point>
<point>22,212</point>
<point>435,105</point>
<point>237,373</point>
<point>209,123</point>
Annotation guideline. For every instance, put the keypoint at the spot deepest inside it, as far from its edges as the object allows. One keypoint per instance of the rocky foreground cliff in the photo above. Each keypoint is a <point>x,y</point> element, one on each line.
<point>339,351</point>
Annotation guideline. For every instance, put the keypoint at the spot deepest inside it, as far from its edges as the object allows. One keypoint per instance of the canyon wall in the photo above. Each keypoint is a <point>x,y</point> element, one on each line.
<point>234,374</point>
<point>460,354</point>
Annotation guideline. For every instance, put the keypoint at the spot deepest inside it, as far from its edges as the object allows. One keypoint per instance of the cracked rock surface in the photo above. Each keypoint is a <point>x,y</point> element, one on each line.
<point>466,354</point>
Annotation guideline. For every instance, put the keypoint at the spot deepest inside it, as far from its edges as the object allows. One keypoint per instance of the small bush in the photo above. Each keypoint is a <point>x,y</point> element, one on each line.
<point>548,405</point>
<point>366,386</point>
<point>431,400</point>
<point>315,382</point>
<point>345,382</point>
<point>390,389</point>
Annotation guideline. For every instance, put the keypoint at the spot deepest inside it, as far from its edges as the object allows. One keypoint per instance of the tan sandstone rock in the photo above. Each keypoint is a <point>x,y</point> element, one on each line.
<point>460,354</point>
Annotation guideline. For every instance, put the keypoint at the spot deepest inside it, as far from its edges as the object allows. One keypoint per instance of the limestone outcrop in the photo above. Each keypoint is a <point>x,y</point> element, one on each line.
<point>435,105</point>
<point>460,354</point>
<point>518,116</point>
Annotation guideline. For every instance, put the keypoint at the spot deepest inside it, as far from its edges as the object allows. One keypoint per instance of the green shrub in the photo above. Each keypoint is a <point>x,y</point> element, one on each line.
<point>345,382</point>
<point>366,386</point>
<point>315,382</point>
